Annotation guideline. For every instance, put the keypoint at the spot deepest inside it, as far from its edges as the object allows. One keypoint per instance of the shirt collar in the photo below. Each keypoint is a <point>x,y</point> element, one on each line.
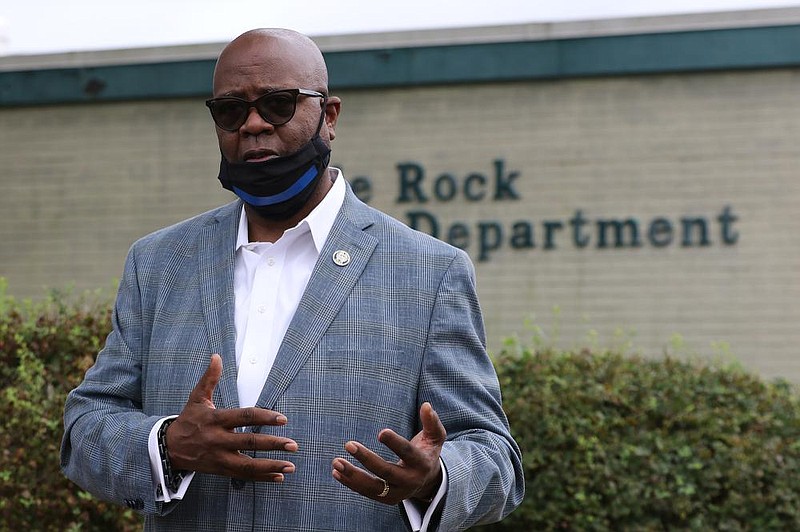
<point>319,221</point>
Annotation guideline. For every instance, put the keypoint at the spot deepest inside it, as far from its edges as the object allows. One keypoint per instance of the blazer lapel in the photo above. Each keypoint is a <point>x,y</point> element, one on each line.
<point>216,261</point>
<point>327,290</point>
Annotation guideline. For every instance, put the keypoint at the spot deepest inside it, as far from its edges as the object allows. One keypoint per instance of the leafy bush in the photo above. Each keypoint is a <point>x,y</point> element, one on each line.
<point>625,443</point>
<point>609,442</point>
<point>45,348</point>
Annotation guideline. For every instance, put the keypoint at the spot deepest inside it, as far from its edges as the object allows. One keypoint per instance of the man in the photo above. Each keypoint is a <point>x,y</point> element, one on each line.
<point>349,387</point>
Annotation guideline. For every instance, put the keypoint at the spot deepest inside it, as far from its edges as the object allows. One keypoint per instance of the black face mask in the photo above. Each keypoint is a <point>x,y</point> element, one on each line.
<point>279,187</point>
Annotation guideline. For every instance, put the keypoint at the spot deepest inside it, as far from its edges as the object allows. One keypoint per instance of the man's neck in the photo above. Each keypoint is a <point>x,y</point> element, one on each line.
<point>260,229</point>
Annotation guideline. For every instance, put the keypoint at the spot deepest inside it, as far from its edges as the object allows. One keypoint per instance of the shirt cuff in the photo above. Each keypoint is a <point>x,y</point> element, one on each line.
<point>419,513</point>
<point>163,494</point>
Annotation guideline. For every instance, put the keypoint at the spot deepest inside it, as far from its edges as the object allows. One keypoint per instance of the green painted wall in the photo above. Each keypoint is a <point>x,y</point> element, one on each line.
<point>686,51</point>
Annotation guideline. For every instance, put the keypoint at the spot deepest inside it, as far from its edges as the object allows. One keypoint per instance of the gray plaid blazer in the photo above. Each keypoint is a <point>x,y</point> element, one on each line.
<point>370,342</point>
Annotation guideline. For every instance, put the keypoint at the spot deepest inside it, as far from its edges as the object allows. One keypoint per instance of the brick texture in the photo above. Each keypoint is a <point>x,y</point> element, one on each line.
<point>82,182</point>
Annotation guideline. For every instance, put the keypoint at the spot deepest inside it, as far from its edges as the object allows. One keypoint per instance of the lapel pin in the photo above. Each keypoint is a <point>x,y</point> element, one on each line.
<point>341,257</point>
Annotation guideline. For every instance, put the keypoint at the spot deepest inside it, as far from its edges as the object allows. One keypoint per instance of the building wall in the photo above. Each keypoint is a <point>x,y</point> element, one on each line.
<point>643,148</point>
<point>82,182</point>
<point>524,174</point>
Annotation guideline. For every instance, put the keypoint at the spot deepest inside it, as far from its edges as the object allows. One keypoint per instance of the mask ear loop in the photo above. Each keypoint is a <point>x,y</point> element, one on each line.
<point>322,115</point>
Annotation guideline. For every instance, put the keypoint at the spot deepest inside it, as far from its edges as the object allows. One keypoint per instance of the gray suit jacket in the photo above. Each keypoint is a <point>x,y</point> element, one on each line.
<point>370,342</point>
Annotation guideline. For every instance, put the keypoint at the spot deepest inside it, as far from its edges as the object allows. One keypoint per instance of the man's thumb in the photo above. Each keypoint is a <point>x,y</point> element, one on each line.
<point>431,424</point>
<point>204,389</point>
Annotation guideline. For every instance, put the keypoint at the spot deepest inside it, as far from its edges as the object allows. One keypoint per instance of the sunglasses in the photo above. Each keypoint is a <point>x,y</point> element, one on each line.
<point>276,107</point>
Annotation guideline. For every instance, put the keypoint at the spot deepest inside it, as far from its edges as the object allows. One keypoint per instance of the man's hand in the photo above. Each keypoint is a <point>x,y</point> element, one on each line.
<point>202,437</point>
<point>417,474</point>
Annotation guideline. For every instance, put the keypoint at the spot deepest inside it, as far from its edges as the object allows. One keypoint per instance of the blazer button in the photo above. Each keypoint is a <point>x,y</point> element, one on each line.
<point>237,483</point>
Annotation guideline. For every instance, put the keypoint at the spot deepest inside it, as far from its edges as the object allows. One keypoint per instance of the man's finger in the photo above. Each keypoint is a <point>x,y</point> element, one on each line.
<point>204,389</point>
<point>251,416</point>
<point>360,481</point>
<point>250,441</point>
<point>432,436</point>
<point>400,446</point>
<point>371,460</point>
<point>245,467</point>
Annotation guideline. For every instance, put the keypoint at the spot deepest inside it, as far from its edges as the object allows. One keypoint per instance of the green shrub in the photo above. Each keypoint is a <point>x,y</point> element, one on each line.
<point>624,443</point>
<point>609,442</point>
<point>45,348</point>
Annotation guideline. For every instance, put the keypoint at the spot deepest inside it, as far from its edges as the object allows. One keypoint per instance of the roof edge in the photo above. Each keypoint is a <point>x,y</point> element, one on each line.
<point>536,31</point>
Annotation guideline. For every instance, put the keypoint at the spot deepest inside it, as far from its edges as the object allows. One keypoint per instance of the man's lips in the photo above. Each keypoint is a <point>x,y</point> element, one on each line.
<point>258,155</point>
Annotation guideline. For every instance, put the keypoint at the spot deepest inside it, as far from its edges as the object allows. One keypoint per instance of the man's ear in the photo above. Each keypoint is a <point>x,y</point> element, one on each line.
<point>332,109</point>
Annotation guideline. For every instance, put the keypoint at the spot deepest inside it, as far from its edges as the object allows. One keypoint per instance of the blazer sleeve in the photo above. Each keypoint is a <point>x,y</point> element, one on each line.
<point>105,445</point>
<point>484,463</point>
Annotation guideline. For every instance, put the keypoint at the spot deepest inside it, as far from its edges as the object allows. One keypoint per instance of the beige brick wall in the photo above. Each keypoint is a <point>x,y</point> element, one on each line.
<point>661,146</point>
<point>82,182</point>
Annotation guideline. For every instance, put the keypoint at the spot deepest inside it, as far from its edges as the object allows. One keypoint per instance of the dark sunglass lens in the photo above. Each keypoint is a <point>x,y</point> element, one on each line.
<point>229,114</point>
<point>277,108</point>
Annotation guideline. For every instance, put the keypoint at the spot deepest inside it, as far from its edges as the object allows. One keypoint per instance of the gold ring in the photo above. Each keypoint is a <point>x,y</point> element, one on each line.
<point>385,491</point>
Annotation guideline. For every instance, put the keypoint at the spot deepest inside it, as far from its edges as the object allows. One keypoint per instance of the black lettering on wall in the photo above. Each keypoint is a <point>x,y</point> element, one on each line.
<point>420,220</point>
<point>411,176</point>
<point>491,236</point>
<point>702,229</point>
<point>577,222</point>
<point>550,228</point>
<point>504,184</point>
<point>726,219</point>
<point>660,232</point>
<point>522,235</point>
<point>619,233</point>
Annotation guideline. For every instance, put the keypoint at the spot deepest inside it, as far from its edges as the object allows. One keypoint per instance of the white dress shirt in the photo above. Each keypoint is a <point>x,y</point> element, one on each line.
<point>268,282</point>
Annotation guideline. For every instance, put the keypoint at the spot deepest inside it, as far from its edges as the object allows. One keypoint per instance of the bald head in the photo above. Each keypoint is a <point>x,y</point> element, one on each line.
<point>254,68</point>
<point>281,57</point>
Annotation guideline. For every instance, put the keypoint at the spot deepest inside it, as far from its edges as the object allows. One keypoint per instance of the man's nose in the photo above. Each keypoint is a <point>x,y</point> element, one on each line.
<point>255,124</point>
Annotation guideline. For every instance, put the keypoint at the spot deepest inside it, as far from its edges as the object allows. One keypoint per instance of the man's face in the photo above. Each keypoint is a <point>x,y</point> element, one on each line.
<point>253,67</point>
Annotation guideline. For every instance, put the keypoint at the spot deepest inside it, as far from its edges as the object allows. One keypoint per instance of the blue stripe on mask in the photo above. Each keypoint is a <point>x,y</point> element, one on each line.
<point>289,193</point>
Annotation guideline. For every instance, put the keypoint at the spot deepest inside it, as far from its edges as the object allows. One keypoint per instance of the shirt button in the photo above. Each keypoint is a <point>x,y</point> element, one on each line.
<point>253,359</point>
<point>271,261</point>
<point>262,309</point>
